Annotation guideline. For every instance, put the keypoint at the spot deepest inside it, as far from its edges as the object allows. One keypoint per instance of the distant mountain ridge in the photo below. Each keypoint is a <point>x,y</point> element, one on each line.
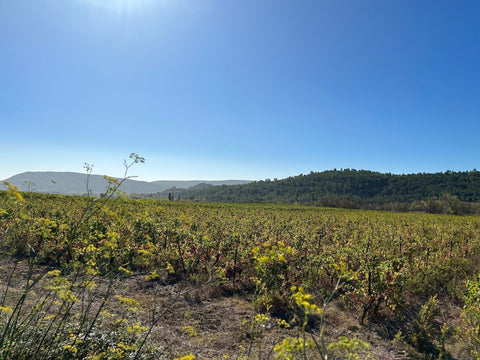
<point>72,183</point>
<point>357,186</point>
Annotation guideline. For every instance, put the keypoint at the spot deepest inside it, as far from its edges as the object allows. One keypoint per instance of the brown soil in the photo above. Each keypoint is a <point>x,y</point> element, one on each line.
<point>222,324</point>
<point>215,322</point>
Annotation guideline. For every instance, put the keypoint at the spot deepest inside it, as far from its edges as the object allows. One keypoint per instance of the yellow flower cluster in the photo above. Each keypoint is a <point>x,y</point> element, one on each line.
<point>70,348</point>
<point>289,346</point>
<point>61,286</point>
<point>261,318</point>
<point>131,304</point>
<point>271,253</point>
<point>67,295</point>
<point>186,357</point>
<point>6,309</point>
<point>136,328</point>
<point>190,331</point>
<point>304,301</point>
<point>152,276</point>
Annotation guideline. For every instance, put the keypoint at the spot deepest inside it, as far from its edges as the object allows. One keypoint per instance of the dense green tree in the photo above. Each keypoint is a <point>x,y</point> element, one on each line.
<point>438,192</point>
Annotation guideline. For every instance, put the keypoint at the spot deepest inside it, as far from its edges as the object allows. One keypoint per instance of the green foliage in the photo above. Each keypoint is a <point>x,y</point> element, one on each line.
<point>427,330</point>
<point>272,275</point>
<point>435,193</point>
<point>292,348</point>
<point>470,328</point>
<point>349,348</point>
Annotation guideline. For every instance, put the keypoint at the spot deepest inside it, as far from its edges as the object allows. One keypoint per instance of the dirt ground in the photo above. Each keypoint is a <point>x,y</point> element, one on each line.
<point>216,321</point>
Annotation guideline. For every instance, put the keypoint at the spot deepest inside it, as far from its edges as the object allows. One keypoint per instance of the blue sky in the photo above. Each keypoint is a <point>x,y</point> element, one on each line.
<point>212,89</point>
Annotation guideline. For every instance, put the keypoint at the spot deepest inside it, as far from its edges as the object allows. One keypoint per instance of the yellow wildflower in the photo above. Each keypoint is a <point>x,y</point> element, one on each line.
<point>70,348</point>
<point>186,357</point>
<point>6,309</point>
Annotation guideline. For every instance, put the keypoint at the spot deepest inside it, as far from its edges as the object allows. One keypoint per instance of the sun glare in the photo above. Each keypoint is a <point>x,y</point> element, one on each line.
<point>122,6</point>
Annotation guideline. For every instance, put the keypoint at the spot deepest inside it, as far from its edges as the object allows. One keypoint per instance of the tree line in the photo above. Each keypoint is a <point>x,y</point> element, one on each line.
<point>443,192</point>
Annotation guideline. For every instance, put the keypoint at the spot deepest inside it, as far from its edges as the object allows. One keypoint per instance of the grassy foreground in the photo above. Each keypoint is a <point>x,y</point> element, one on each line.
<point>135,279</point>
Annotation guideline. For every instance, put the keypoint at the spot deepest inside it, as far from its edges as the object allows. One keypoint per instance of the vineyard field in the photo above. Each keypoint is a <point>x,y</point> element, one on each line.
<point>115,278</point>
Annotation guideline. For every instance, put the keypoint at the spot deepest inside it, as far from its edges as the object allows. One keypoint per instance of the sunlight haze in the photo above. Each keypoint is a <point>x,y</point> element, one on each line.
<point>239,89</point>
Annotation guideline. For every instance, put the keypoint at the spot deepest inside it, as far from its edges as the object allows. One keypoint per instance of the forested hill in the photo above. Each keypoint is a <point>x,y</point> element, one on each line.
<point>350,185</point>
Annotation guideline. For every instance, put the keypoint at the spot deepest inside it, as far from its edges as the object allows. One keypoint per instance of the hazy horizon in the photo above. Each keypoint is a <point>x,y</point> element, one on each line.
<point>133,177</point>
